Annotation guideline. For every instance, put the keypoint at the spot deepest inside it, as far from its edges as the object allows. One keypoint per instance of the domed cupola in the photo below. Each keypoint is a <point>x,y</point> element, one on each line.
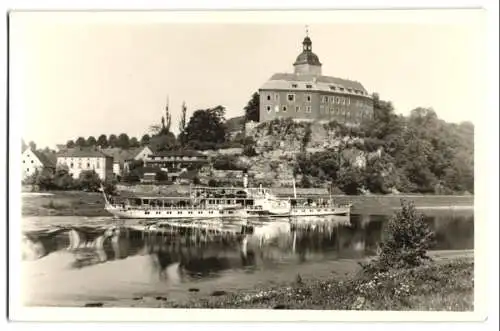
<point>307,62</point>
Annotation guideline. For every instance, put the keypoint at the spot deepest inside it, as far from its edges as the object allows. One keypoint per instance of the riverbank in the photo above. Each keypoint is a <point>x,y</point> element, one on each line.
<point>445,284</point>
<point>90,204</point>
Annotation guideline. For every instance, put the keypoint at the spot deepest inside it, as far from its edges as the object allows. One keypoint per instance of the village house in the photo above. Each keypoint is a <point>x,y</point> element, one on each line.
<point>174,163</point>
<point>78,160</point>
<point>33,161</point>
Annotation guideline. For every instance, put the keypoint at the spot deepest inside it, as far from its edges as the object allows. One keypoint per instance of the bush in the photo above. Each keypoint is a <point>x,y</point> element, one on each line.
<point>89,181</point>
<point>407,239</point>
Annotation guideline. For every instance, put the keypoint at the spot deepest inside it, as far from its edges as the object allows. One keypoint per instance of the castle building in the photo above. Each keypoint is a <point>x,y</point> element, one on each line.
<point>307,95</point>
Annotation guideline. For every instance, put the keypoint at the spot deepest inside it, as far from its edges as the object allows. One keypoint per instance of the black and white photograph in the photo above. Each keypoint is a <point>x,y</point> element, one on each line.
<point>322,161</point>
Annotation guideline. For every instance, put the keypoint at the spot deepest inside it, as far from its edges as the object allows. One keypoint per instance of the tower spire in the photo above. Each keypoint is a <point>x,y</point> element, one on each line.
<point>307,30</point>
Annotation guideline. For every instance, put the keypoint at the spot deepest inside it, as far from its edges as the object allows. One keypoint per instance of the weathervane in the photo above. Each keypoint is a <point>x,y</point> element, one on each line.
<point>307,30</point>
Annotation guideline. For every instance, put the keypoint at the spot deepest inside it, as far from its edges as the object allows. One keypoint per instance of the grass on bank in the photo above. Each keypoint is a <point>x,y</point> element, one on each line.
<point>431,287</point>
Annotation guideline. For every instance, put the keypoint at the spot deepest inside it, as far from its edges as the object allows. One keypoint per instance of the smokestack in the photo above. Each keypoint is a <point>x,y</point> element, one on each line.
<point>245,180</point>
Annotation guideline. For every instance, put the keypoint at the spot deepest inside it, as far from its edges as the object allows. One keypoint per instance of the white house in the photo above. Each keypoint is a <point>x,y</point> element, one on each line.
<point>82,159</point>
<point>142,153</point>
<point>33,161</point>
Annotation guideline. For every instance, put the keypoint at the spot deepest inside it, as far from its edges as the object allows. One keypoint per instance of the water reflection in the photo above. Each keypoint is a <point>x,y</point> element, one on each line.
<point>187,251</point>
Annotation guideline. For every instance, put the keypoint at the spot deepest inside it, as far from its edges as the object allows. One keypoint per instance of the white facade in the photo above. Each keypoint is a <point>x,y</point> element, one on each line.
<point>102,165</point>
<point>30,163</point>
<point>143,154</point>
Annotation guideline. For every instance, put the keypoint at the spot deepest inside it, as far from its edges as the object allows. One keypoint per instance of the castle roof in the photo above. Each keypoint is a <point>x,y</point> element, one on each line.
<point>327,83</point>
<point>307,57</point>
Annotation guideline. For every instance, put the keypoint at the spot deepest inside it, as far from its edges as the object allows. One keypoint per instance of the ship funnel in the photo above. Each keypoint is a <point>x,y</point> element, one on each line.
<point>245,180</point>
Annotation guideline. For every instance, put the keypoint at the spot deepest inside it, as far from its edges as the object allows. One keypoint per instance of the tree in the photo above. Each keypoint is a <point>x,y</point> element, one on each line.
<point>89,181</point>
<point>252,108</point>
<point>102,141</point>
<point>113,141</point>
<point>206,128</point>
<point>123,141</point>
<point>145,140</point>
<point>406,242</point>
<point>164,142</point>
<point>134,142</point>
<point>70,144</point>
<point>182,122</point>
<point>80,142</point>
<point>32,145</point>
<point>91,141</point>
<point>63,179</point>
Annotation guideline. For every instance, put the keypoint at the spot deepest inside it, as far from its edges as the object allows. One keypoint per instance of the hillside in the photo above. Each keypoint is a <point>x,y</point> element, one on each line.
<point>419,153</point>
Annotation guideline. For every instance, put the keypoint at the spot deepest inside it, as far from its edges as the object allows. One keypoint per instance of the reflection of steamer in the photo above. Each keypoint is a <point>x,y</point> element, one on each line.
<point>224,202</point>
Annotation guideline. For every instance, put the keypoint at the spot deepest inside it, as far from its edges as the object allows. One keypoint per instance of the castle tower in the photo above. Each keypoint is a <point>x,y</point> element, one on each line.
<point>307,62</point>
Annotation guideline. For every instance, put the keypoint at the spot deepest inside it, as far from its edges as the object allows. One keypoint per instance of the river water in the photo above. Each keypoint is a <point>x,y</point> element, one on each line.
<point>70,261</point>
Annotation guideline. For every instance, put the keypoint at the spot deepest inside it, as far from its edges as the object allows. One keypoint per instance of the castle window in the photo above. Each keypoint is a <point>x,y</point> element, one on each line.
<point>308,109</point>
<point>332,110</point>
<point>338,100</point>
<point>268,97</point>
<point>325,99</point>
<point>290,97</point>
<point>284,109</point>
<point>297,109</point>
<point>308,98</point>
<point>332,99</point>
<point>31,161</point>
<point>348,101</point>
<point>343,101</point>
<point>97,165</point>
<point>28,169</point>
<point>349,90</point>
<point>24,161</point>
<point>332,88</point>
<point>71,165</point>
<point>341,88</point>
<point>309,86</point>
<point>294,85</point>
<point>268,108</point>
<point>88,165</point>
<point>276,96</point>
<point>276,108</point>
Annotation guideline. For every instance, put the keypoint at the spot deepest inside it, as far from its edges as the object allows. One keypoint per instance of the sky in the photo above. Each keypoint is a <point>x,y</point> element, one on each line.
<point>86,76</point>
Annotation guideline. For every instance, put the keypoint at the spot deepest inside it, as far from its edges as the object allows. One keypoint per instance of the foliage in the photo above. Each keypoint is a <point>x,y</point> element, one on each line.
<point>102,141</point>
<point>32,145</point>
<point>70,144</point>
<point>91,141</point>
<point>164,142</point>
<point>134,142</point>
<point>145,140</point>
<point>161,176</point>
<point>417,153</point>
<point>252,108</point>
<point>407,239</point>
<point>89,181</point>
<point>227,162</point>
<point>182,122</point>
<point>350,179</point>
<point>113,140</point>
<point>123,141</point>
<point>80,142</point>
<point>206,129</point>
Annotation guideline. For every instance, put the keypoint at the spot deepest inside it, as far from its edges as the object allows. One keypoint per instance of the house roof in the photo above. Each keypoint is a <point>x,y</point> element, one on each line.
<point>235,123</point>
<point>46,160</point>
<point>179,153</point>
<point>283,81</point>
<point>120,155</point>
<point>83,152</point>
